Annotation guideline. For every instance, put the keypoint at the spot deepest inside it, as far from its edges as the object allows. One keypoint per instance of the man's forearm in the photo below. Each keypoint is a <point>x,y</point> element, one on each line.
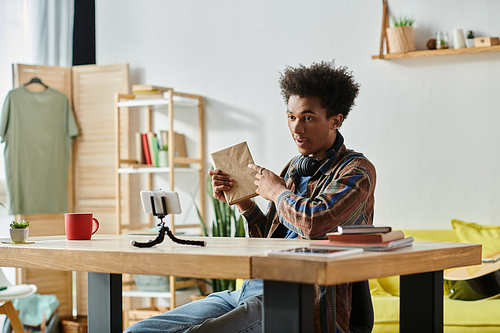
<point>244,205</point>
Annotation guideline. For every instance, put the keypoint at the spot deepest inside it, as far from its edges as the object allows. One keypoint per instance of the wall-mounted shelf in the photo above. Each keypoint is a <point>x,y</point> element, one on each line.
<point>421,53</point>
<point>432,53</point>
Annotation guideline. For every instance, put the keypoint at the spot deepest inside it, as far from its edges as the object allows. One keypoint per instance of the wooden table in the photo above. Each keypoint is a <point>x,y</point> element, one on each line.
<point>106,257</point>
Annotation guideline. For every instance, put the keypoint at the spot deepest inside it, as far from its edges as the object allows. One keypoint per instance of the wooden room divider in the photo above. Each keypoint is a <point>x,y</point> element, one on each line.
<point>91,184</point>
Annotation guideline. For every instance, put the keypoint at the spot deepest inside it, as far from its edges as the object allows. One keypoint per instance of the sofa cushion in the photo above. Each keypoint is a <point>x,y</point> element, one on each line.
<point>376,289</point>
<point>386,311</point>
<point>432,235</point>
<point>390,284</point>
<point>475,316</point>
<point>486,235</point>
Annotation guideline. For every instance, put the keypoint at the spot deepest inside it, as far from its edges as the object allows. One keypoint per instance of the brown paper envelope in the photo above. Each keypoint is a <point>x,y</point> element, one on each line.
<point>234,161</point>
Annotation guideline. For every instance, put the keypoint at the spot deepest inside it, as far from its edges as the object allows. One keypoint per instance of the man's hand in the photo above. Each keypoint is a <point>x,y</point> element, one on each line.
<point>269,184</point>
<point>222,182</point>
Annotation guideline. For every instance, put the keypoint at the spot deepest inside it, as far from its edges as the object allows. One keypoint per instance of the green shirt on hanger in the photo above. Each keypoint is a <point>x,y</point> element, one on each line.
<point>38,129</point>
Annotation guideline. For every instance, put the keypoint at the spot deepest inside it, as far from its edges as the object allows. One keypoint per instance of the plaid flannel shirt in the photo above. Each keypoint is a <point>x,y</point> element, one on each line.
<point>341,192</point>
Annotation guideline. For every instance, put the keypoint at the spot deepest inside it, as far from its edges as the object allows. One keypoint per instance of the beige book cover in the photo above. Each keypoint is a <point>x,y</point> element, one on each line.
<point>147,88</point>
<point>139,156</point>
<point>234,161</point>
<point>180,146</point>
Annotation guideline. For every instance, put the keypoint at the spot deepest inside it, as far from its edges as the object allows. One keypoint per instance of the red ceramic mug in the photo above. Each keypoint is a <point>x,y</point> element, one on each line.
<point>79,226</point>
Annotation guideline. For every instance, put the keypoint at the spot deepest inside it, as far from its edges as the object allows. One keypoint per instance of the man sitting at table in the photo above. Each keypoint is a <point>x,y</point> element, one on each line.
<point>325,186</point>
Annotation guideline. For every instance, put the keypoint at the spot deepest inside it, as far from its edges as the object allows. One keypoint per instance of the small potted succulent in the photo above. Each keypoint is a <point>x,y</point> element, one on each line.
<point>401,37</point>
<point>19,231</point>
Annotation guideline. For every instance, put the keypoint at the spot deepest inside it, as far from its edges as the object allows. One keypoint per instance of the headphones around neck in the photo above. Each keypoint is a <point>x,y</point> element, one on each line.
<point>307,165</point>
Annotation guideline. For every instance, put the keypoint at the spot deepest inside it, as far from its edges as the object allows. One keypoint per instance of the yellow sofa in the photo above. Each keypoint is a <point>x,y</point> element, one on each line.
<point>459,316</point>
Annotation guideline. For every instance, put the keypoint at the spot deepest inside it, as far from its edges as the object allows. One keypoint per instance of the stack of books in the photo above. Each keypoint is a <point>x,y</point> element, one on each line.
<point>143,91</point>
<point>368,237</point>
<point>147,147</point>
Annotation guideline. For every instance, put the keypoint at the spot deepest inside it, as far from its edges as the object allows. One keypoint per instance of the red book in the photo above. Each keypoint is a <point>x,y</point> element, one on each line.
<point>145,146</point>
<point>366,238</point>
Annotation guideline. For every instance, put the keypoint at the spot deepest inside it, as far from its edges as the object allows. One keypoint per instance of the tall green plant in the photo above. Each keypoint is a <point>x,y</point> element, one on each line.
<point>227,223</point>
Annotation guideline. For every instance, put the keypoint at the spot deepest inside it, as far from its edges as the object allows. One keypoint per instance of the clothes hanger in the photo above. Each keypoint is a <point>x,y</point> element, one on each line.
<point>36,79</point>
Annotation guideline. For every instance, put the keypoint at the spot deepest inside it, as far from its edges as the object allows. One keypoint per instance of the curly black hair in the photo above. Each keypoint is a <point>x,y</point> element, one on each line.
<point>334,85</point>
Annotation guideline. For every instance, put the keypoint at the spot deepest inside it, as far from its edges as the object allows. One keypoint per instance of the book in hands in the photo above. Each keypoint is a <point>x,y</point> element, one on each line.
<point>311,251</point>
<point>366,238</point>
<point>362,229</point>
<point>385,246</point>
<point>234,162</point>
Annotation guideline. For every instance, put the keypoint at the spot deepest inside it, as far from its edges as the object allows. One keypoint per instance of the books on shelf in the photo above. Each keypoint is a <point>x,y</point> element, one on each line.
<point>362,229</point>
<point>179,143</point>
<point>145,148</point>
<point>384,246</point>
<point>380,237</point>
<point>153,148</point>
<point>149,144</point>
<point>156,148</point>
<point>147,88</point>
<point>149,95</point>
<point>144,91</point>
<point>139,152</point>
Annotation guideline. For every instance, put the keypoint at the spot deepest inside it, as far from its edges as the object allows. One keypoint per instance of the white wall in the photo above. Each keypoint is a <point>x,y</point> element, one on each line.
<point>12,49</point>
<point>428,124</point>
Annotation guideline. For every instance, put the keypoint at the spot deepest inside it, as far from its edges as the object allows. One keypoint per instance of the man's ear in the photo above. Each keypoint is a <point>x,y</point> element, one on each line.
<point>336,121</point>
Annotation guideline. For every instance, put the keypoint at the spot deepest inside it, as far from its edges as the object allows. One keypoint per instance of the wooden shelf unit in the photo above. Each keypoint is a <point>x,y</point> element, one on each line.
<point>163,294</point>
<point>421,53</point>
<point>132,166</point>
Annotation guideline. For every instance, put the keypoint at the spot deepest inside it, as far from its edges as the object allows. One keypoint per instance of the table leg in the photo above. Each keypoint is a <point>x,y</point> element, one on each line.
<point>421,302</point>
<point>288,307</point>
<point>104,302</point>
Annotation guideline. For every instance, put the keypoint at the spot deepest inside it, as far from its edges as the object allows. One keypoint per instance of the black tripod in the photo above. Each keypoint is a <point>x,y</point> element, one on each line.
<point>162,229</point>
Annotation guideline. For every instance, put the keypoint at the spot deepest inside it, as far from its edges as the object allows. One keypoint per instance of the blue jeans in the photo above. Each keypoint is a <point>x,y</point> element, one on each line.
<point>225,311</point>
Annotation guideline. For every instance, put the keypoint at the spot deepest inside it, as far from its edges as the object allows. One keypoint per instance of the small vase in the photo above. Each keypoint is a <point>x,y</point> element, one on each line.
<point>19,235</point>
<point>442,40</point>
<point>162,158</point>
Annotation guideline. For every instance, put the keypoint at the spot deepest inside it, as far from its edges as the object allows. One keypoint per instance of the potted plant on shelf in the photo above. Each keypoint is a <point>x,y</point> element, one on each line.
<point>19,231</point>
<point>401,37</point>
